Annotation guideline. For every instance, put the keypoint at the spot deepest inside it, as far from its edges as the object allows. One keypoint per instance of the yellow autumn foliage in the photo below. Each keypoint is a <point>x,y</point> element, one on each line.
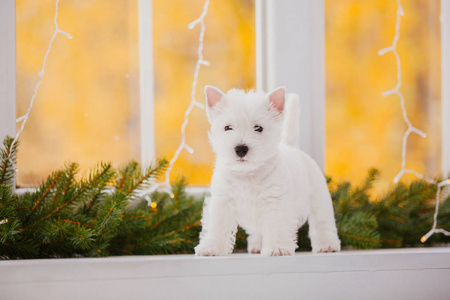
<point>364,129</point>
<point>87,107</point>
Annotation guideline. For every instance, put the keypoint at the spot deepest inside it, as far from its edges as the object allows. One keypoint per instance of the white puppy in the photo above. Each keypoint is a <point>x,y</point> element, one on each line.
<point>261,180</point>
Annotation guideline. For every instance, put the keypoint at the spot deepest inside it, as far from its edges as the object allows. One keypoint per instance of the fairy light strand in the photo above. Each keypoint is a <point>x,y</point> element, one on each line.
<point>411,128</point>
<point>396,91</point>
<point>441,185</point>
<point>194,103</point>
<point>24,118</point>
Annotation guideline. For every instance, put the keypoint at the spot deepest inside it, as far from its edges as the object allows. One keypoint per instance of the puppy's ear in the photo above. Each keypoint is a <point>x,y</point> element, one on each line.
<point>213,96</point>
<point>277,98</point>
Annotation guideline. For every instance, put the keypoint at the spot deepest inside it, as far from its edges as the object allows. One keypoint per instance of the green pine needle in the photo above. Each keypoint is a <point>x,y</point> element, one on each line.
<point>8,161</point>
<point>111,212</point>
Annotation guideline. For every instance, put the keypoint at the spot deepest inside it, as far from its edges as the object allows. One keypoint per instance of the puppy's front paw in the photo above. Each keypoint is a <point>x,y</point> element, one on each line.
<point>253,250</point>
<point>277,251</point>
<point>254,244</point>
<point>204,249</point>
<point>325,243</point>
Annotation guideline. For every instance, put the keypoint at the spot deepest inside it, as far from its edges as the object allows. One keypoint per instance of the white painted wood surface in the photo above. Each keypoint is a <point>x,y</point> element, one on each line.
<point>381,274</point>
<point>290,38</point>
<point>146,84</point>
<point>7,68</point>
<point>445,46</point>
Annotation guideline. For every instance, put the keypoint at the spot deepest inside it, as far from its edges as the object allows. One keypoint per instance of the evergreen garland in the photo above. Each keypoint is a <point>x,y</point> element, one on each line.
<point>94,216</point>
<point>108,213</point>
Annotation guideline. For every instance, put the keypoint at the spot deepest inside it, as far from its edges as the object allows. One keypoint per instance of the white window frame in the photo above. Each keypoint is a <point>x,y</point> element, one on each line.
<point>146,82</point>
<point>390,272</point>
<point>7,68</point>
<point>299,67</point>
<point>290,43</point>
<point>8,75</point>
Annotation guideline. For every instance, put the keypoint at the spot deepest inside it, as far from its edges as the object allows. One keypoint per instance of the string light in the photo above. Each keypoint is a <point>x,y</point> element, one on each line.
<point>441,185</point>
<point>411,128</point>
<point>194,103</point>
<point>24,118</point>
<point>396,91</point>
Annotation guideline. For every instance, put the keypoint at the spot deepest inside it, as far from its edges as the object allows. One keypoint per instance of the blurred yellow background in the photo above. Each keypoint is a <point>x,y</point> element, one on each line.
<point>229,47</point>
<point>87,108</point>
<point>364,129</point>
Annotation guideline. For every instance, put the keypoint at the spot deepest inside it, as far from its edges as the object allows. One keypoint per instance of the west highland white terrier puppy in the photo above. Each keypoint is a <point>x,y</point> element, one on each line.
<point>262,181</point>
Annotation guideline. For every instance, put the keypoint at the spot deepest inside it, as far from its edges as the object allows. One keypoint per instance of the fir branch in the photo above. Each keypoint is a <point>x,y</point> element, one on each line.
<point>125,174</point>
<point>95,197</point>
<point>359,238</point>
<point>77,223</point>
<point>187,227</point>
<point>62,190</point>
<point>9,222</point>
<point>359,230</point>
<point>103,179</point>
<point>47,189</point>
<point>391,242</point>
<point>136,217</point>
<point>169,217</point>
<point>85,186</point>
<point>110,215</point>
<point>92,217</point>
<point>93,187</point>
<point>162,164</point>
<point>8,160</point>
<point>70,175</point>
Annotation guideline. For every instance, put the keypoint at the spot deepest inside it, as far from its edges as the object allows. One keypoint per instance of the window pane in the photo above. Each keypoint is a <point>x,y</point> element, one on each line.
<point>229,47</point>
<point>87,106</point>
<point>364,129</point>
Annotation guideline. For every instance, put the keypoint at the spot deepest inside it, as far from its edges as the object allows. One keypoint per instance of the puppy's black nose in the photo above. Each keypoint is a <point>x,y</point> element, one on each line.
<point>241,150</point>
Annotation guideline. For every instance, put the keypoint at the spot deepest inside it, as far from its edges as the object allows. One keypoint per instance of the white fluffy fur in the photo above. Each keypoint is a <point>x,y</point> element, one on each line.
<point>271,191</point>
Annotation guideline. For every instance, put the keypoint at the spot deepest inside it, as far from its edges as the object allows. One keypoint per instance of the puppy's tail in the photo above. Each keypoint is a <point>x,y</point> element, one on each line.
<point>291,128</point>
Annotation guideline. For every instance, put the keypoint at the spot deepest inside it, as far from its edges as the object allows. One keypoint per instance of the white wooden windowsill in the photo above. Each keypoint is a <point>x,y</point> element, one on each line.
<point>379,274</point>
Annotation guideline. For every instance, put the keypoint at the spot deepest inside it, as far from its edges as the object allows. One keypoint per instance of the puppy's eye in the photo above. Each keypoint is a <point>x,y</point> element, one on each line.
<point>258,128</point>
<point>228,127</point>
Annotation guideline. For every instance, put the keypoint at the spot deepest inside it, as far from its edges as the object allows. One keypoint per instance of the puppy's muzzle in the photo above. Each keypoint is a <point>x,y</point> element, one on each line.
<point>241,150</point>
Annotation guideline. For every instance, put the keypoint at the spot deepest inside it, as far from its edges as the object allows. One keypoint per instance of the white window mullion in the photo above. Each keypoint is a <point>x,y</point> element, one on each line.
<point>290,51</point>
<point>147,121</point>
<point>261,52</point>
<point>7,69</point>
<point>445,46</point>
